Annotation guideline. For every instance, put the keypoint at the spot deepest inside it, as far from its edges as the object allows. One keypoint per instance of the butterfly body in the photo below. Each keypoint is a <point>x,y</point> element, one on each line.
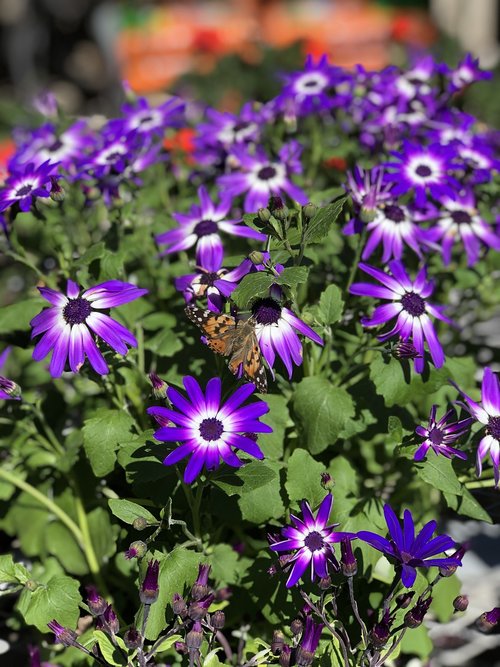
<point>235,339</point>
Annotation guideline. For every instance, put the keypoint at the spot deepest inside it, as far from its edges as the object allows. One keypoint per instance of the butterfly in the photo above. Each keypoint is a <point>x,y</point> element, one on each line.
<point>235,339</point>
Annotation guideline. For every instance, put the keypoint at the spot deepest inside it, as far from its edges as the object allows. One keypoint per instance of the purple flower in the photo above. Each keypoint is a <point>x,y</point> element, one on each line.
<point>9,390</point>
<point>210,428</point>
<point>145,119</point>
<point>312,540</point>
<point>479,162</point>
<point>439,435</point>
<point>393,226</point>
<point>211,281</point>
<point>64,636</point>
<point>308,643</point>
<point>423,170</point>
<point>149,588</point>
<point>409,551</point>
<point>312,89</point>
<point>201,226</point>
<point>276,330</point>
<point>488,413</point>
<point>369,193</point>
<point>460,221</point>
<point>259,177</point>
<point>67,325</point>
<point>24,186</point>
<point>466,72</point>
<point>409,303</point>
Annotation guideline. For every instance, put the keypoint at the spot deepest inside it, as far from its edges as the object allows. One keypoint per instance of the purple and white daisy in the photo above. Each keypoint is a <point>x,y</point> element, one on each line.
<point>209,428</point>
<point>211,281</point>
<point>423,170</point>
<point>276,330</point>
<point>368,192</point>
<point>460,221</point>
<point>222,129</point>
<point>393,226</point>
<point>67,326</point>
<point>479,162</point>
<point>201,226</point>
<point>260,177</point>
<point>312,540</point>
<point>488,413</point>
<point>466,72</point>
<point>408,550</point>
<point>24,186</point>
<point>409,303</point>
<point>140,116</point>
<point>9,390</point>
<point>438,435</point>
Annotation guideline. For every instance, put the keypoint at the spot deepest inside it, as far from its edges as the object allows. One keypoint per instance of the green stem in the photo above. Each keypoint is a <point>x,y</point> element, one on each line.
<point>26,262</point>
<point>43,500</point>
<point>355,263</point>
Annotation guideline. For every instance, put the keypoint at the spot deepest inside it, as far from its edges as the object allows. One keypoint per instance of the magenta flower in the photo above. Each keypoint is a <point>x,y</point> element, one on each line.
<point>438,435</point>
<point>488,413</point>
<point>409,303</point>
<point>208,427</point>
<point>24,186</point>
<point>312,540</point>
<point>408,550</point>
<point>67,326</point>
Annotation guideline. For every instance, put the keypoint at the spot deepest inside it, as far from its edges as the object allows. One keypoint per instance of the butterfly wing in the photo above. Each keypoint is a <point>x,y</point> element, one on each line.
<point>247,354</point>
<point>218,329</point>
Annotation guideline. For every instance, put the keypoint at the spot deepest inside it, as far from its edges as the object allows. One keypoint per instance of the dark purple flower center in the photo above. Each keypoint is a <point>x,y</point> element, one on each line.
<point>209,278</point>
<point>266,311</point>
<point>423,170</point>
<point>24,190</point>
<point>413,304</point>
<point>436,436</point>
<point>55,146</point>
<point>314,541</point>
<point>494,427</point>
<point>211,428</point>
<point>145,119</point>
<point>394,213</point>
<point>242,125</point>
<point>205,227</point>
<point>266,173</point>
<point>113,157</point>
<point>461,217</point>
<point>77,310</point>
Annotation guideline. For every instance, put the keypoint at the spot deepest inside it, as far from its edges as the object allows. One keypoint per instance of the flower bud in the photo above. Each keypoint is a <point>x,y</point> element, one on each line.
<point>415,616</point>
<point>64,636</point>
<point>285,656</point>
<point>449,570</point>
<point>296,626</point>
<point>31,585</point>
<point>181,648</point>
<point>277,642</point>
<point>136,550</point>
<point>218,619</point>
<point>381,632</point>
<point>348,560</point>
<point>194,637</point>
<point>140,523</point>
<point>222,594</point>
<point>96,604</point>
<point>327,481</point>
<point>200,587</point>
<point>403,600</point>
<point>149,589</point>
<point>278,208</point>
<point>325,583</point>
<point>405,350</point>
<point>110,619</point>
<point>367,214</point>
<point>264,214</point>
<point>488,620</point>
<point>198,608</point>
<point>132,638</point>
<point>309,210</point>
<point>460,603</point>
<point>179,606</point>
<point>159,385</point>
<point>10,388</point>
<point>256,257</point>
<point>57,192</point>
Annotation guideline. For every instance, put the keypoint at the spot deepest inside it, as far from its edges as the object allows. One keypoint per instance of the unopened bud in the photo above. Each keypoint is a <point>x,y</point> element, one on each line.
<point>285,656</point>
<point>379,634</point>
<point>264,214</point>
<point>367,214</point>
<point>149,589</point>
<point>460,603</point>
<point>194,637</point>
<point>198,609</point>
<point>132,639</point>
<point>403,600</point>
<point>405,350</point>
<point>278,208</point>
<point>200,587</point>
<point>31,585</point>
<point>449,570</point>
<point>139,523</point>
<point>415,616</point>
<point>10,388</point>
<point>277,642</point>
<point>327,481</point>
<point>64,636</point>
<point>325,583</point>
<point>110,619</point>
<point>181,648</point>
<point>96,604</point>
<point>57,192</point>
<point>159,386</point>
<point>136,550</point>
<point>296,626</point>
<point>218,619</point>
<point>488,620</point>
<point>179,606</point>
<point>348,560</point>
<point>309,210</point>
<point>256,257</point>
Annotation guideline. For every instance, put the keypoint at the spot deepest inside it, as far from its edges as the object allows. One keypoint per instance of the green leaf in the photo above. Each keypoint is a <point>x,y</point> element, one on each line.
<point>331,305</point>
<point>212,659</point>
<point>466,505</point>
<point>304,478</point>
<point>346,487</point>
<point>102,533</point>
<point>292,276</point>
<point>95,251</point>
<point>17,316</point>
<point>399,384</point>
<point>446,590</point>
<point>260,498</point>
<point>395,429</point>
<point>225,565</point>
<point>61,543</point>
<point>11,572</point>
<point>417,642</point>
<point>319,226</point>
<point>110,652</point>
<point>164,343</point>
<point>278,419</point>
<point>128,511</point>
<point>168,643</point>
<point>59,599</point>
<point>253,286</point>
<point>177,570</point>
<point>322,411</point>
<point>438,472</point>
<point>101,436</point>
